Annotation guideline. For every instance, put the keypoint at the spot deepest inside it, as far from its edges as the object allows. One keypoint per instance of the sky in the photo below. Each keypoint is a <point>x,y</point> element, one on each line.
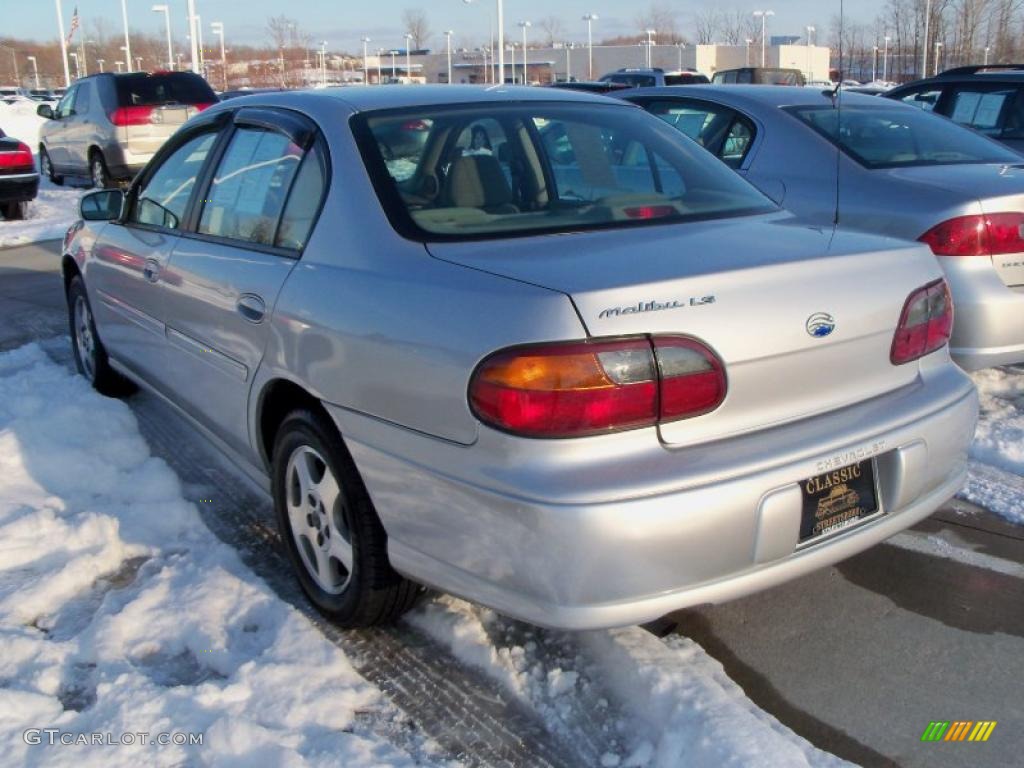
<point>343,23</point>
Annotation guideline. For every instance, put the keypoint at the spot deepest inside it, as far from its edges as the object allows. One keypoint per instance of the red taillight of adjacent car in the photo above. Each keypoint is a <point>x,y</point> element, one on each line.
<point>925,323</point>
<point>591,387</point>
<point>980,235</point>
<point>125,116</point>
<point>18,160</point>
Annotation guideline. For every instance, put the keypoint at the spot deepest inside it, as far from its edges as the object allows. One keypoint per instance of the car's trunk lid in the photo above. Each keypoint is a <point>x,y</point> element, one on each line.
<point>754,290</point>
<point>164,120</point>
<point>998,188</point>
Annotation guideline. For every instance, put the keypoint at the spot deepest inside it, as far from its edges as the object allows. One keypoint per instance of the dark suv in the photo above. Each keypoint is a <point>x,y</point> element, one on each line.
<point>649,78</point>
<point>988,99</point>
<point>108,126</point>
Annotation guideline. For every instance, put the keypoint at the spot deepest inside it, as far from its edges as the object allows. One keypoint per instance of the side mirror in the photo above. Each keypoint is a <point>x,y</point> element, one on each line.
<point>102,205</point>
<point>45,110</point>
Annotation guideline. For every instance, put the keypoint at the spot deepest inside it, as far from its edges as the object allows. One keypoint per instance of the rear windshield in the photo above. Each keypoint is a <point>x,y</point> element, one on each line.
<point>141,89</point>
<point>498,170</point>
<point>895,137</point>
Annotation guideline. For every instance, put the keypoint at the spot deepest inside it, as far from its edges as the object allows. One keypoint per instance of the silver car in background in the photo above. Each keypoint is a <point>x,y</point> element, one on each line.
<point>107,126</point>
<point>902,172</point>
<point>523,345</point>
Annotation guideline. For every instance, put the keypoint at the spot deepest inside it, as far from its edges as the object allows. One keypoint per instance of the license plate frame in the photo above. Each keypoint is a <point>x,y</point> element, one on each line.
<point>834,502</point>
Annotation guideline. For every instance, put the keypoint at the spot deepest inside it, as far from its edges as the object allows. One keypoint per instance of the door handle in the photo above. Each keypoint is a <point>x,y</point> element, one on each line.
<point>252,307</point>
<point>151,271</point>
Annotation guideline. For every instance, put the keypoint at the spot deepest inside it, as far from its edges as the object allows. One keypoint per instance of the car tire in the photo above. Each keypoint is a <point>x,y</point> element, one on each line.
<point>326,518</point>
<point>98,171</point>
<point>46,167</point>
<point>15,211</point>
<point>90,356</point>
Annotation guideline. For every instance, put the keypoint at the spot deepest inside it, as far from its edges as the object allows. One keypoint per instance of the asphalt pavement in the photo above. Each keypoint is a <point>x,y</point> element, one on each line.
<point>858,658</point>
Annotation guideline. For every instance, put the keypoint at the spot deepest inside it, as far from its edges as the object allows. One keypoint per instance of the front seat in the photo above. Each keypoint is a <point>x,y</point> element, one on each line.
<point>477,181</point>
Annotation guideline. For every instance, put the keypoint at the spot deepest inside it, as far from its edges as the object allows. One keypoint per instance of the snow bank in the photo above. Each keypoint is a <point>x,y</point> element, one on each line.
<point>997,483</point>
<point>21,121</point>
<point>120,613</point>
<point>623,696</point>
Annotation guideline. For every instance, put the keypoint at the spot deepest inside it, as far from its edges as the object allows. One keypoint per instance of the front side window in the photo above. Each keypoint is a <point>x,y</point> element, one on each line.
<point>926,99</point>
<point>550,168</point>
<point>250,186</point>
<point>891,137</point>
<point>161,201</point>
<point>65,108</point>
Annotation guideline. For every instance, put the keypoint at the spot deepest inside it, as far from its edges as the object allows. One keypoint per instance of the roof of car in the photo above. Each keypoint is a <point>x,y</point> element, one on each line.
<point>761,95</point>
<point>368,98</point>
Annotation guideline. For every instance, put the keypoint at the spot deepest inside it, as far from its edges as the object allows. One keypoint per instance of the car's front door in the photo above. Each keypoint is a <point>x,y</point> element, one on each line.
<point>258,206</point>
<point>57,130</point>
<point>126,276</point>
<point>78,130</point>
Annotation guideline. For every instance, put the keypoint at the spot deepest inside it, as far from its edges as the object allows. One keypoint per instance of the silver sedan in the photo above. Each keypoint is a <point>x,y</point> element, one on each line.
<point>524,345</point>
<point>902,172</point>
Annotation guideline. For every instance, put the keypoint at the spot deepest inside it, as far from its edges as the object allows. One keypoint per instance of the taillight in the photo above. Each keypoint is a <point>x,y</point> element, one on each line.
<point>978,235</point>
<point>925,323</point>
<point>125,116</point>
<point>649,211</point>
<point>202,105</point>
<point>590,387</point>
<point>17,160</point>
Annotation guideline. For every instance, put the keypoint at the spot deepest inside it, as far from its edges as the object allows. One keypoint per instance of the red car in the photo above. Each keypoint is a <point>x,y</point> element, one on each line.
<point>19,181</point>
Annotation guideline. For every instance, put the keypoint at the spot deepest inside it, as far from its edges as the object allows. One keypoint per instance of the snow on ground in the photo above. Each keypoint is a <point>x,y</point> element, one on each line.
<point>996,479</point>
<point>55,208</point>
<point>120,613</point>
<point>661,704</point>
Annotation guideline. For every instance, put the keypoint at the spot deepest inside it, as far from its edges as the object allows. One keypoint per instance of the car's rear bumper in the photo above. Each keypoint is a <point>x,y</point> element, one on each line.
<point>15,188</point>
<point>618,530</point>
<point>122,163</point>
<point>988,326</point>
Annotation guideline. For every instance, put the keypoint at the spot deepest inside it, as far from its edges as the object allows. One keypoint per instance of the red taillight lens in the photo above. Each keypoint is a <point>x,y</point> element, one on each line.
<point>586,388</point>
<point>983,235</point>
<point>125,116</point>
<point>17,160</point>
<point>202,105</point>
<point>925,323</point>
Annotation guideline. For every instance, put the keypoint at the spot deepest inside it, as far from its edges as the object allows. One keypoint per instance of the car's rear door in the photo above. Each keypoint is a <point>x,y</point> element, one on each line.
<point>126,276</point>
<point>258,207</point>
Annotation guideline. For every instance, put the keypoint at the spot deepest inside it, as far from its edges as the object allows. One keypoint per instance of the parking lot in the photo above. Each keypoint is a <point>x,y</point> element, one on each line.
<point>857,658</point>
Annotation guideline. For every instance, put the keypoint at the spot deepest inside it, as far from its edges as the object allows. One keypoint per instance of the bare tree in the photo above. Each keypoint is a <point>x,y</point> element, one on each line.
<point>415,22</point>
<point>662,19</point>
<point>706,23</point>
<point>735,27</point>
<point>553,29</point>
<point>281,31</point>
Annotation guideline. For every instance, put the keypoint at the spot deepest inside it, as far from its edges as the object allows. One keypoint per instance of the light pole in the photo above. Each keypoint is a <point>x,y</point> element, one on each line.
<point>394,72</point>
<point>748,42</point>
<point>127,60</point>
<point>127,42</point>
<point>650,45</point>
<point>120,65</point>
<point>177,58</point>
<point>810,72</point>
<point>512,48</point>
<point>874,63</point>
<point>323,63</point>
<point>987,49</point>
<point>101,62</point>
<point>524,25</point>
<point>408,56</point>
<point>924,48</point>
<point>218,29</point>
<point>194,39</point>
<point>202,53</point>
<point>885,59</point>
<point>679,47</point>
<point>590,18</point>
<point>366,61</point>
<point>501,43</point>
<point>35,69</point>
<point>448,45</point>
<point>138,63</point>
<point>568,62</point>
<point>63,47</point>
<point>78,65</point>
<point>938,52</point>
<point>166,11</point>
<point>764,24</point>
<point>380,55</point>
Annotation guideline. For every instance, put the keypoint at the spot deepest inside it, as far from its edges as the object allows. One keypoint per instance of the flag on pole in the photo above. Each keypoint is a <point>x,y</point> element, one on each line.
<point>74,25</point>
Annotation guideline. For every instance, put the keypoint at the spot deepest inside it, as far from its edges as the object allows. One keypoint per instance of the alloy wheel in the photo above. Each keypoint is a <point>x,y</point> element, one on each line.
<point>85,342</point>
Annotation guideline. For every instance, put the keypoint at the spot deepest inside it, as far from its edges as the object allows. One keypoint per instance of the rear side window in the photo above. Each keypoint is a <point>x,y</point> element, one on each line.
<point>143,90</point>
<point>980,108</point>
<point>304,202</point>
<point>716,128</point>
<point>250,186</point>
<point>687,79</point>
<point>162,200</point>
<point>637,81</point>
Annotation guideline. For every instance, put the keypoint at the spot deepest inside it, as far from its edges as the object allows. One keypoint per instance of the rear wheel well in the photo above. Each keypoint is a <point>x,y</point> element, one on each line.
<point>279,398</point>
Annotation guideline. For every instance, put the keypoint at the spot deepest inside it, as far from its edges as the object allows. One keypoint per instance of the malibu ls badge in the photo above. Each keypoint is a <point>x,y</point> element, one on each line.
<point>656,306</point>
